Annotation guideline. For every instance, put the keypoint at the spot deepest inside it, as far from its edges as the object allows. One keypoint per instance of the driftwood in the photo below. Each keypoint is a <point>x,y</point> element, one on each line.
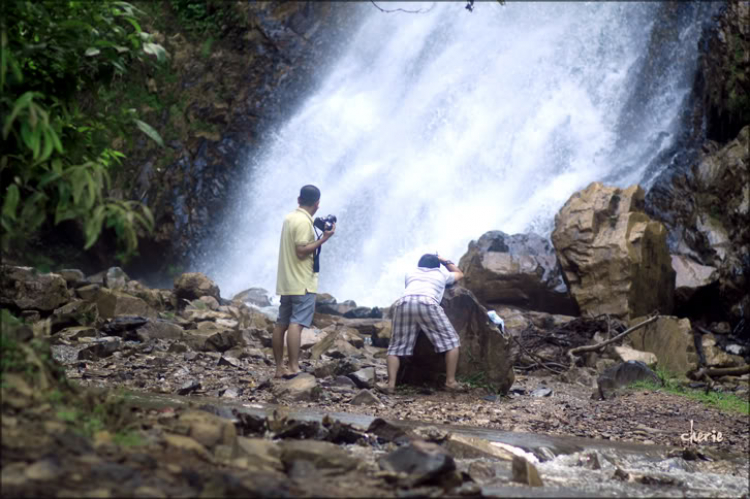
<point>719,371</point>
<point>598,346</point>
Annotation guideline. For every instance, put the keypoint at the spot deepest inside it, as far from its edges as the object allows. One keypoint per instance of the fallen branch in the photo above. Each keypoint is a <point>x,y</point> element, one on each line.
<point>592,348</point>
<point>719,371</point>
<point>538,360</point>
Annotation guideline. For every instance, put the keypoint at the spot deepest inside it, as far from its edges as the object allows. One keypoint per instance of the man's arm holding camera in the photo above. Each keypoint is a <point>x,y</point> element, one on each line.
<point>451,267</point>
<point>305,249</point>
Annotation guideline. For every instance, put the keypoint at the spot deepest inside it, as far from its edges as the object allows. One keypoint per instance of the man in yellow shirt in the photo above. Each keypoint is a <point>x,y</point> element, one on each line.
<point>296,281</point>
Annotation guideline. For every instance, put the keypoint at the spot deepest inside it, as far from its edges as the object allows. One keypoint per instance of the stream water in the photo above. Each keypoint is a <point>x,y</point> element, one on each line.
<point>434,128</point>
<point>559,459</point>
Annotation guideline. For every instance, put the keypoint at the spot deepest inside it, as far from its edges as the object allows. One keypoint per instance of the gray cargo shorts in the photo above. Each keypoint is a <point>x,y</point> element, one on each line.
<point>297,309</point>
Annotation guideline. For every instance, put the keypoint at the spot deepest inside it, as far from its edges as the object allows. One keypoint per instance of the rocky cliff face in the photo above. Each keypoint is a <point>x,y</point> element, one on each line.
<point>212,107</point>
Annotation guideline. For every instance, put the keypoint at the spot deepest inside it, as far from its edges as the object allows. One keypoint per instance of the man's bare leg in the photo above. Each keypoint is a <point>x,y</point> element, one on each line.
<point>393,363</point>
<point>451,363</point>
<point>293,339</point>
<point>278,348</point>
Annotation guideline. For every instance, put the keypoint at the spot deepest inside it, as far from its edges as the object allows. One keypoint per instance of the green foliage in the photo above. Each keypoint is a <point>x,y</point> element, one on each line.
<point>128,438</point>
<point>57,158</point>
<point>202,16</point>
<point>723,401</point>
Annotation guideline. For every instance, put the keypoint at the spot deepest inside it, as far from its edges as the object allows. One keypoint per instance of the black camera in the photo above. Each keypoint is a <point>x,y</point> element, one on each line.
<point>325,224</point>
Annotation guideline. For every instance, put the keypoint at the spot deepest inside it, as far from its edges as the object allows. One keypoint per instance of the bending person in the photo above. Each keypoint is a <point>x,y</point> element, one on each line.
<point>419,309</point>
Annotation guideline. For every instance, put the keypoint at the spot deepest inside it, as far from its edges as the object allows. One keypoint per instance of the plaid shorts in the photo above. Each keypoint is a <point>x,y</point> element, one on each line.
<point>412,313</point>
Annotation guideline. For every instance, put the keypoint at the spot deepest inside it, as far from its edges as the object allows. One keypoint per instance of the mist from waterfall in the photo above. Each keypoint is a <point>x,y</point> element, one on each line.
<point>434,128</point>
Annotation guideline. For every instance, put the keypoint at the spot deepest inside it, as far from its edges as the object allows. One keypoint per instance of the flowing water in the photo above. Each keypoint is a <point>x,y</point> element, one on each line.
<point>434,128</point>
<point>653,473</point>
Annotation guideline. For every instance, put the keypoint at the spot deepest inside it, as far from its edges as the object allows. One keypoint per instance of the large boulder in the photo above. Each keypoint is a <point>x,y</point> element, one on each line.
<point>193,285</point>
<point>112,303</point>
<point>614,257</point>
<point>484,351</point>
<point>519,270</point>
<point>670,339</point>
<point>706,208</point>
<point>691,277</point>
<point>25,288</point>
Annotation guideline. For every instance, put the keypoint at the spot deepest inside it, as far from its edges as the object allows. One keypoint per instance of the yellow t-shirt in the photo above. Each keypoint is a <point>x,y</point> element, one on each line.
<point>295,276</point>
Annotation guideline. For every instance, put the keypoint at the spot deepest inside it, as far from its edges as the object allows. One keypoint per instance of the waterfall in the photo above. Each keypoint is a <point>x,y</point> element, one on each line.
<point>434,128</point>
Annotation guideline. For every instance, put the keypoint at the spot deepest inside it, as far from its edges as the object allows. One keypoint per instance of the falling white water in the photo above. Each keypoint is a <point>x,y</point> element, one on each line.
<point>434,128</point>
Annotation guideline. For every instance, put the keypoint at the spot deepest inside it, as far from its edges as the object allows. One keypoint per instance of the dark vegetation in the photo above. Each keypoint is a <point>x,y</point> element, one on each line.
<point>61,141</point>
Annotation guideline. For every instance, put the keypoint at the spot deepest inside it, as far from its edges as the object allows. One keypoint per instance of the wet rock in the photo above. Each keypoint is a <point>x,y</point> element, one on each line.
<point>189,387</point>
<point>431,434</point>
<point>623,375</point>
<point>73,277</point>
<point>526,473</point>
<point>258,454</point>
<point>364,378</point>
<point>25,288</point>
<point>691,277</point>
<point>122,325</point>
<point>100,348</point>
<point>323,455</point>
<point>388,432</point>
<point>365,397</point>
<point>223,340</point>
<point>333,345</point>
<point>670,339</point>
<point>207,429</point>
<point>74,313</point>
<point>229,361</point>
<point>161,329</point>
<point>116,278</point>
<point>614,257</point>
<point>344,381</point>
<point>191,286</point>
<point>210,302</point>
<point>74,333</point>
<point>590,461</point>
<point>113,303</point>
<point>301,387</point>
<point>519,270</point>
<point>463,447</point>
<point>423,462</point>
<point>484,351</point>
<point>381,336</point>
<point>88,292</point>
<point>255,296</point>
<point>187,445</point>
<point>364,313</point>
<point>625,353</point>
<point>481,472</point>
<point>309,337</point>
<point>705,207</point>
<point>716,357</point>
<point>44,470</point>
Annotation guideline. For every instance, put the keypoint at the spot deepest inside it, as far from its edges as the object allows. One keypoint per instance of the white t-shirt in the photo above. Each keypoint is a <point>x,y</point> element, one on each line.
<point>428,282</point>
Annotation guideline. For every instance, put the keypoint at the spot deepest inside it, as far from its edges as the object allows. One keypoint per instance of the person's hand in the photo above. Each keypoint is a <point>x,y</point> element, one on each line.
<point>327,234</point>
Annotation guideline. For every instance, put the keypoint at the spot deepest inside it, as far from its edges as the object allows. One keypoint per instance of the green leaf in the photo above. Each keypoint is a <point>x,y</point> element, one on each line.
<point>56,141</point>
<point>12,197</point>
<point>47,150</point>
<point>155,49</point>
<point>47,178</point>
<point>92,51</point>
<point>20,103</point>
<point>149,130</point>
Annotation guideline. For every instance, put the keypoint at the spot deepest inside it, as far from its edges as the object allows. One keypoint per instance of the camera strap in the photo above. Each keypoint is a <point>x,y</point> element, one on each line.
<point>316,253</point>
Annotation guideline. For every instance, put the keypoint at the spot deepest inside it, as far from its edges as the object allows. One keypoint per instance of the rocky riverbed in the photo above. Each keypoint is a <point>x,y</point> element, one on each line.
<point>193,410</point>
